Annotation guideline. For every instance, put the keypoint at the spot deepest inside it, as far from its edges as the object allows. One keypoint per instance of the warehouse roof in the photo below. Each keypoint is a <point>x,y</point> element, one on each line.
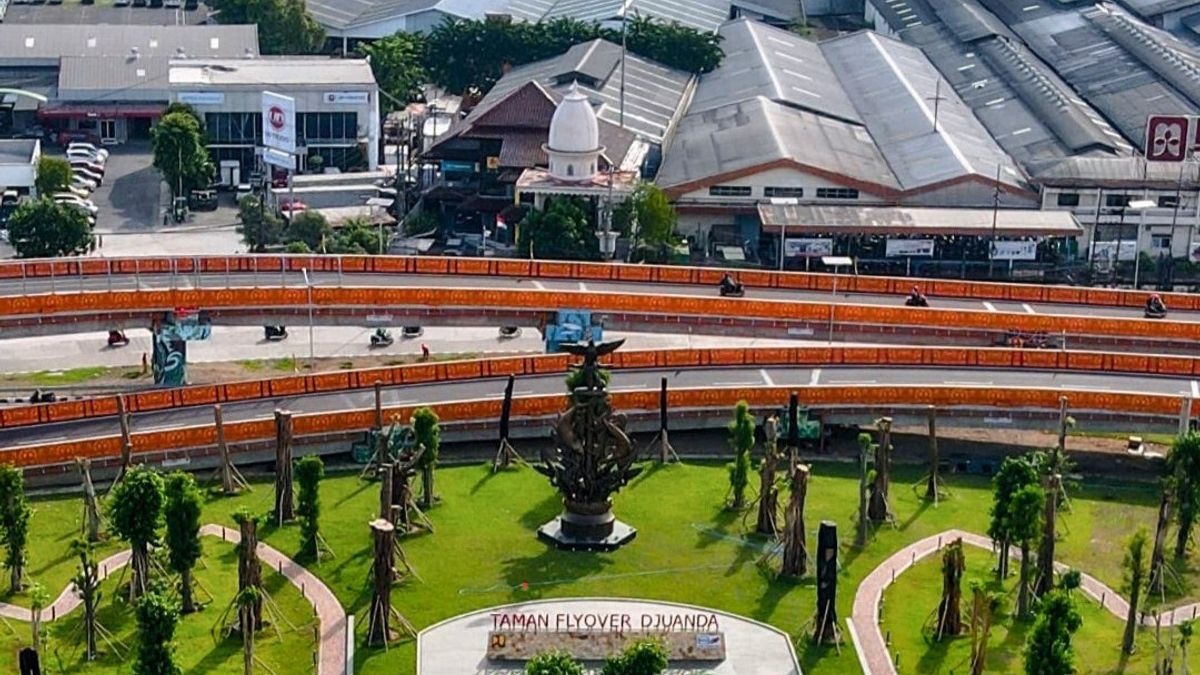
<point>289,71</point>
<point>31,44</point>
<point>926,221</point>
<point>17,151</point>
<point>113,78</point>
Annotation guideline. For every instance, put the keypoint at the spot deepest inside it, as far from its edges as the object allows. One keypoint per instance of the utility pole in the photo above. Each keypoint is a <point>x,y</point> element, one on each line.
<point>995,219</point>
<point>624,23</point>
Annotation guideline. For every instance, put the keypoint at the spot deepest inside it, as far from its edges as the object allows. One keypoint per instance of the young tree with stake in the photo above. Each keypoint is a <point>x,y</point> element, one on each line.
<point>14,523</point>
<point>182,512</point>
<point>1183,470</point>
<point>135,509</point>
<point>1024,523</point>
<point>309,471</point>
<point>741,439</point>
<point>1135,572</point>
<point>429,434</point>
<point>157,617</point>
<point>1014,474</point>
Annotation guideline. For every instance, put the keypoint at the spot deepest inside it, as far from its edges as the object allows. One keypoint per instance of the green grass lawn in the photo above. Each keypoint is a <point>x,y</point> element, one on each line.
<point>910,603</point>
<point>689,549</point>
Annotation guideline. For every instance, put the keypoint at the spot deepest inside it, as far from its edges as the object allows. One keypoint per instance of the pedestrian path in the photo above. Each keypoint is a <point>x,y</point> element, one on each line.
<point>869,643</point>
<point>332,618</point>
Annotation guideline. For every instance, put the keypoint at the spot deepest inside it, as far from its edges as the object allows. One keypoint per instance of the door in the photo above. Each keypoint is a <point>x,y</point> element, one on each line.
<point>108,131</point>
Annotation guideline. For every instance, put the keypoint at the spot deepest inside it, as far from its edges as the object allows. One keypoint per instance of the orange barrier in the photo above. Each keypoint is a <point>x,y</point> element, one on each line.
<point>652,274</point>
<point>425,373</point>
<point>187,438</point>
<point>711,308</point>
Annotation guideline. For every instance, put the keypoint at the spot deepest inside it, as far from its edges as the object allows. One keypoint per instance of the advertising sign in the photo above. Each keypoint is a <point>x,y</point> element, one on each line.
<point>280,159</point>
<point>1103,252</point>
<point>1194,251</point>
<point>914,248</point>
<point>201,97</point>
<point>279,122</point>
<point>808,248</point>
<point>346,97</point>
<point>1014,250</point>
<point>1167,138</point>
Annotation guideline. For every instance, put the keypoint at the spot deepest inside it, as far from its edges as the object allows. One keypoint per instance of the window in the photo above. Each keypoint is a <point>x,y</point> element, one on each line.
<point>1068,199</point>
<point>570,169</point>
<point>327,127</point>
<point>1116,200</point>
<point>770,191</point>
<point>729,191</point>
<point>1160,241</point>
<point>837,193</point>
<point>1168,201</point>
<point>233,128</point>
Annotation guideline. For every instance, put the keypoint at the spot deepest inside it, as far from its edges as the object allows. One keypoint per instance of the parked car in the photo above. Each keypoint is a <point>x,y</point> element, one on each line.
<point>81,145</point>
<point>9,198</point>
<point>191,5</point>
<point>83,183</point>
<point>85,155</point>
<point>94,167</point>
<point>88,174</point>
<point>173,4</point>
<point>66,137</point>
<point>82,204</point>
<point>139,3</point>
<point>203,200</point>
<point>77,191</point>
<point>120,3</point>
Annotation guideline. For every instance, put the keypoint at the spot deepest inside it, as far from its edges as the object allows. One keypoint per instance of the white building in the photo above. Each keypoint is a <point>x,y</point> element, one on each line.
<point>337,108</point>
<point>18,165</point>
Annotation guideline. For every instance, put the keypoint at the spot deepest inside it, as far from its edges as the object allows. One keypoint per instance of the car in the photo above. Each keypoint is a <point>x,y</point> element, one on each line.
<point>139,3</point>
<point>85,154</point>
<point>94,167</point>
<point>88,174</point>
<point>120,3</point>
<point>83,204</point>
<point>77,191</point>
<point>173,4</point>
<point>191,5</point>
<point>82,145</point>
<point>9,198</point>
<point>83,183</point>
<point>156,3</point>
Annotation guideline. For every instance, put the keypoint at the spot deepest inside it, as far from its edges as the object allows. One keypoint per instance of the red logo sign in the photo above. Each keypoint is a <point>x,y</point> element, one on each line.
<point>275,116</point>
<point>1166,138</point>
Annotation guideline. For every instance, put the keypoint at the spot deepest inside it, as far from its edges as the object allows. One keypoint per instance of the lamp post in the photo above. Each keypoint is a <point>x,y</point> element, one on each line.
<point>836,262</point>
<point>783,201</point>
<point>312,366</point>
<point>1139,205</point>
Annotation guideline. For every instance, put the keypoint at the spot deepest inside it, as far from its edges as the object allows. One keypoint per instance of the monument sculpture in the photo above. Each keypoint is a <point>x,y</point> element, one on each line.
<point>591,458</point>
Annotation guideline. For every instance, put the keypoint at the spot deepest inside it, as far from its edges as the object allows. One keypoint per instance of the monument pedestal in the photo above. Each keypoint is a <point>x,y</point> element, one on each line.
<point>587,527</point>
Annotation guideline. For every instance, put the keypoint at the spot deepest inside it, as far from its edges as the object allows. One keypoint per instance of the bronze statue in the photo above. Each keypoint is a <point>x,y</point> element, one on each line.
<point>591,459</point>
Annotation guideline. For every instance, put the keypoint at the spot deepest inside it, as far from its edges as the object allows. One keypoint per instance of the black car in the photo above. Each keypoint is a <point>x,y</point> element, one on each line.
<point>191,5</point>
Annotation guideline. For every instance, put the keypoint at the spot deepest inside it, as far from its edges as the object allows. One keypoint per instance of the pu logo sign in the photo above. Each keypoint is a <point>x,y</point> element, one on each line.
<point>1167,138</point>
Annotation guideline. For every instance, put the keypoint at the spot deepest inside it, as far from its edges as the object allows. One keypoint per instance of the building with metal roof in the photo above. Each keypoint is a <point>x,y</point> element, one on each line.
<point>32,45</point>
<point>858,119</point>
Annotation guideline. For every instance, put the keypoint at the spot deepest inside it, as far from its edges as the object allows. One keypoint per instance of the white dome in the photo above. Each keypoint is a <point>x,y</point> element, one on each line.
<point>573,127</point>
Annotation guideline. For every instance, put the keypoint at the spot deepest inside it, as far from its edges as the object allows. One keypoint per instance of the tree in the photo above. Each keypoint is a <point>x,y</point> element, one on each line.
<point>1024,521</point>
<point>14,523</point>
<point>87,585</point>
<point>553,662</point>
<point>182,513</point>
<point>1183,472</point>
<point>429,434</point>
<point>1135,573</point>
<point>53,175</point>
<point>865,447</point>
<point>284,26</point>
<point>157,617</point>
<point>180,107</point>
<point>248,600</point>
<point>309,471</point>
<point>644,657</point>
<point>180,154</point>
<point>45,229</point>
<point>1048,650</point>
<point>260,228</point>
<point>38,597</point>
<point>561,231</point>
<point>741,439</point>
<point>311,228</point>
<point>674,45</point>
<point>1186,629</point>
<point>1014,473</point>
<point>949,611</point>
<point>398,62</point>
<point>647,217</point>
<point>879,508</point>
<point>357,237</point>
<point>135,510</point>
<point>983,608</point>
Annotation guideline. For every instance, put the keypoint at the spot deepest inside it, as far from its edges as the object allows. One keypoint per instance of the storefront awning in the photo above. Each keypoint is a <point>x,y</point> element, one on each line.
<point>862,220</point>
<point>99,110</point>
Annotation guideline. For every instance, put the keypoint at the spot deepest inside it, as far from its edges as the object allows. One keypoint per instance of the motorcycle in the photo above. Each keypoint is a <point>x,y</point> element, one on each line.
<point>509,332</point>
<point>1155,312</point>
<point>916,301</point>
<point>382,338</point>
<point>38,396</point>
<point>275,333</point>
<point>733,290</point>
<point>116,338</point>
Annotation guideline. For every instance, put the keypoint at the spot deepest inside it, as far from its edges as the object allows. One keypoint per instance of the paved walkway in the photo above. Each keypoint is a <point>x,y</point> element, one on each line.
<point>873,654</point>
<point>332,647</point>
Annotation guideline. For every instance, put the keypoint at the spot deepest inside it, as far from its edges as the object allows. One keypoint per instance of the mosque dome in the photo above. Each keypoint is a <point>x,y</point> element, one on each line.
<point>573,127</point>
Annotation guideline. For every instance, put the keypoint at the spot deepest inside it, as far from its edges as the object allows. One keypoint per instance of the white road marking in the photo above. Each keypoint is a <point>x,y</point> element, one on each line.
<point>734,384</point>
<point>538,285</point>
<point>583,287</point>
<point>990,306</point>
<point>815,377</point>
<point>852,382</point>
<point>523,392</point>
<point>967,383</point>
<point>1084,386</point>
<point>1027,308</point>
<point>1195,389</point>
<point>766,377</point>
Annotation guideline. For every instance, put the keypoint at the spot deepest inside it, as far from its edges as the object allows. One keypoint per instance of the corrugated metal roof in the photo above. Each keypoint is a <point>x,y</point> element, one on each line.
<point>114,78</point>
<point>266,71</point>
<point>926,221</point>
<point>17,151</point>
<point>894,88</point>
<point>22,43</point>
<point>703,15</point>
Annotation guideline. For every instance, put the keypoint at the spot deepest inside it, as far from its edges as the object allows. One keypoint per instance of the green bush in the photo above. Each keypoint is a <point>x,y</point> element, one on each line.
<point>554,662</point>
<point>644,657</point>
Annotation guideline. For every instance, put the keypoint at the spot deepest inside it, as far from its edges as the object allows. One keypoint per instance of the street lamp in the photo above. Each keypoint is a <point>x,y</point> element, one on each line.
<point>1139,205</point>
<point>783,201</point>
<point>312,366</point>
<point>836,262</point>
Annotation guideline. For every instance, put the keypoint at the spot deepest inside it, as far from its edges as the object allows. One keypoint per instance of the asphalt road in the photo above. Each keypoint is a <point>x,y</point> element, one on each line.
<point>295,280</point>
<point>621,381</point>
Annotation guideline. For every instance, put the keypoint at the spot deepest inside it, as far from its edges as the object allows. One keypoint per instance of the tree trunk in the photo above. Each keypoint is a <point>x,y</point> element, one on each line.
<point>378,630</point>
<point>795,550</point>
<point>986,632</point>
<point>250,568</point>
<point>1023,591</point>
<point>1131,617</point>
<point>1045,576</point>
<point>860,536</point>
<point>385,492</point>
<point>285,504</point>
<point>931,485</point>
<point>91,508</point>
<point>36,625</point>
<point>126,441</point>
<point>768,501</point>
<point>247,622</point>
<point>427,487</point>
<point>185,593</point>
<point>949,616</point>
<point>1184,533</point>
<point>825,630</point>
<point>1160,537</point>
<point>227,484</point>
<point>139,571</point>
<point>17,576</point>
<point>1002,563</point>
<point>878,510</point>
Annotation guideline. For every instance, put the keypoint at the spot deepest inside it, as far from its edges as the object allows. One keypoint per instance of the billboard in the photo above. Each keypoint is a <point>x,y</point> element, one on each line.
<point>808,248</point>
<point>280,159</point>
<point>1014,250</point>
<point>1167,138</point>
<point>279,122</point>
<point>201,97</point>
<point>913,248</point>
<point>332,97</point>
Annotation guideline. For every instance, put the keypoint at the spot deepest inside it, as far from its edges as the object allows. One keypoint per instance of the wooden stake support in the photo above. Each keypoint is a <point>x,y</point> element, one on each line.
<point>232,480</point>
<point>126,442</point>
<point>91,507</point>
<point>506,454</point>
<point>285,505</point>
<point>661,444</point>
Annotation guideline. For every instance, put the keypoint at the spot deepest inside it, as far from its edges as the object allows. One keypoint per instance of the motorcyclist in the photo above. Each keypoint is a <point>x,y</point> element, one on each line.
<point>916,298</point>
<point>1155,304</point>
<point>381,335</point>
<point>729,285</point>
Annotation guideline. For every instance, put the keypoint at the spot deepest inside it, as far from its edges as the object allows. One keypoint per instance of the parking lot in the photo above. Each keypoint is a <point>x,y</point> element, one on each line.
<point>103,11</point>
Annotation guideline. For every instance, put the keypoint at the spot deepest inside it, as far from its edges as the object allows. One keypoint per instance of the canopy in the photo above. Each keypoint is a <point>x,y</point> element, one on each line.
<point>918,221</point>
